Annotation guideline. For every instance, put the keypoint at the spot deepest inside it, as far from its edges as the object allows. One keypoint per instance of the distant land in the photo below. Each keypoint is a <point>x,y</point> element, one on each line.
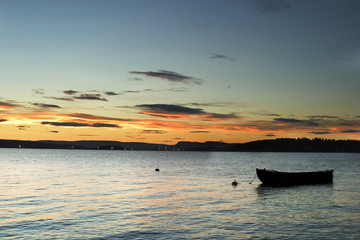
<point>276,145</point>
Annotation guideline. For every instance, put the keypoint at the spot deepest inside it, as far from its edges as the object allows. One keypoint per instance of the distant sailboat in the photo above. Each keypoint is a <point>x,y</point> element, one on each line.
<point>19,146</point>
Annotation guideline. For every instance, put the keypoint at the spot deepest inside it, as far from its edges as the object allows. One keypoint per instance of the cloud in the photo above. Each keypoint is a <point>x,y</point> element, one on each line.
<point>311,123</point>
<point>322,116</point>
<point>3,120</point>
<point>54,131</point>
<point>86,120</point>
<point>177,138</point>
<point>132,91</point>
<point>270,6</point>
<point>296,121</point>
<point>288,120</point>
<point>39,91</point>
<point>66,124</point>
<point>73,95</point>
<point>112,93</point>
<point>169,111</point>
<point>92,117</point>
<point>347,124</point>
<point>61,98</point>
<point>135,79</point>
<point>7,105</point>
<point>172,111</point>
<point>351,131</point>
<point>350,123</point>
<point>320,133</point>
<point>220,56</point>
<point>217,104</point>
<point>199,132</point>
<point>90,96</point>
<point>150,90</point>
<point>153,131</point>
<point>77,124</point>
<point>180,89</point>
<point>170,76</point>
<point>169,108</point>
<point>189,120</point>
<point>98,125</point>
<point>42,105</point>
<point>23,127</point>
<point>270,135</point>
<point>265,113</point>
<point>220,116</point>
<point>70,92</point>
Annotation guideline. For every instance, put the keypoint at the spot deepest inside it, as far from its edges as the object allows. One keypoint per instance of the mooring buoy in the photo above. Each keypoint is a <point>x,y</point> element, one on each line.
<point>234,183</point>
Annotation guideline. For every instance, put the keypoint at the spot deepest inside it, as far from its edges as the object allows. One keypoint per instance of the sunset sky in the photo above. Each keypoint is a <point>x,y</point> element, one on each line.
<point>163,71</point>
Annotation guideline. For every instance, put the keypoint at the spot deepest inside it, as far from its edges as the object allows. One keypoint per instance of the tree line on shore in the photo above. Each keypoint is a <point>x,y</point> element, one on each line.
<point>272,145</point>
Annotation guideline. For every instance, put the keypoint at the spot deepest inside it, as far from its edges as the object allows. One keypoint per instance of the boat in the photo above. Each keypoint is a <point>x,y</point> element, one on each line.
<point>272,177</point>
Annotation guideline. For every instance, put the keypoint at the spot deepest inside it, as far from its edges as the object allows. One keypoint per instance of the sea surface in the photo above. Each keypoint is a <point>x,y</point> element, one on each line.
<point>77,194</point>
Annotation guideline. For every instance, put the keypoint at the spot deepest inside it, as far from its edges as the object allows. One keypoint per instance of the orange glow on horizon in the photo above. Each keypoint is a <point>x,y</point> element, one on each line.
<point>64,126</point>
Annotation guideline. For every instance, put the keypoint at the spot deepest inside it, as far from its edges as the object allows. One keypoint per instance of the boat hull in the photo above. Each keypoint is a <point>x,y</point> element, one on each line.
<point>271,177</point>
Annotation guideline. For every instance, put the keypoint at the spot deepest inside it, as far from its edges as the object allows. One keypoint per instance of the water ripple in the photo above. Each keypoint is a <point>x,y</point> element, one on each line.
<point>117,195</point>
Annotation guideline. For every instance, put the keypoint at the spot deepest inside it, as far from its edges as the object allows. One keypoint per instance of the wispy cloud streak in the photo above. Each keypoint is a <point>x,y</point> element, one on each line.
<point>70,92</point>
<point>173,111</point>
<point>39,91</point>
<point>320,133</point>
<point>170,76</point>
<point>77,124</point>
<point>296,121</point>
<point>8,105</point>
<point>88,96</point>
<point>146,131</point>
<point>351,131</point>
<point>43,105</point>
<point>215,56</point>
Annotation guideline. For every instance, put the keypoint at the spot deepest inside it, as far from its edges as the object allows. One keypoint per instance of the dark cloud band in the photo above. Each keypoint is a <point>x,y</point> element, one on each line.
<point>42,105</point>
<point>169,108</point>
<point>76,124</point>
<point>89,96</point>
<point>170,76</point>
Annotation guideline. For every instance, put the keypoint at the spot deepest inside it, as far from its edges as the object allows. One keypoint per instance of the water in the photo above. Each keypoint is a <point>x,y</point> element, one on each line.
<point>74,194</point>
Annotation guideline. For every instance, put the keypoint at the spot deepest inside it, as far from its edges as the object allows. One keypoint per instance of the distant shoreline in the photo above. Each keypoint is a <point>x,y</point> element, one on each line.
<point>276,145</point>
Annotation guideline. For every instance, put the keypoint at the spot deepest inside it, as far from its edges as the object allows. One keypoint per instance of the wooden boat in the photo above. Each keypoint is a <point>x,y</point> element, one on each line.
<point>272,177</point>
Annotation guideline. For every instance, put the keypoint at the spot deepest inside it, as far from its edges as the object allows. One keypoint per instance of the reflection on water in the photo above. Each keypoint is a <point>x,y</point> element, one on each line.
<point>71,194</point>
<point>312,210</point>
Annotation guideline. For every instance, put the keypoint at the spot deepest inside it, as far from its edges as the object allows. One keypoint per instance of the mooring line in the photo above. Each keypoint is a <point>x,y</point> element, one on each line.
<point>253,179</point>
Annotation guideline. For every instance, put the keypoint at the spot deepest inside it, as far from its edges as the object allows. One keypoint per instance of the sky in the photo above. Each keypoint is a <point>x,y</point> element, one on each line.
<point>164,71</point>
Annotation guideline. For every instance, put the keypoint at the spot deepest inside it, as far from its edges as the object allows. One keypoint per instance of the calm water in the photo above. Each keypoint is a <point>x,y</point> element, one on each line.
<point>73,194</point>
